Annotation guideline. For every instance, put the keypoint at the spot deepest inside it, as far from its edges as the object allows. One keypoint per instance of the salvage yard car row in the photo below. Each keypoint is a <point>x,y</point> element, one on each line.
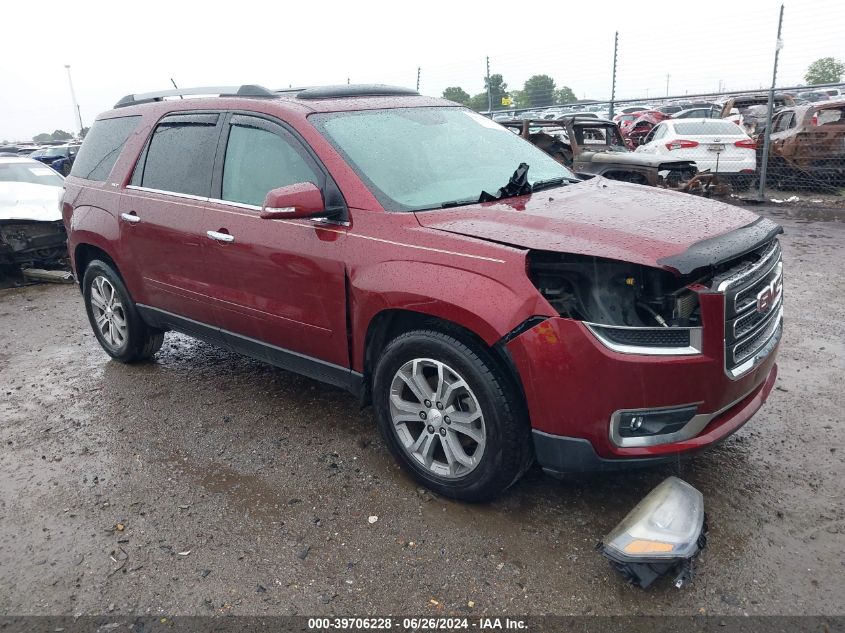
<point>722,141</point>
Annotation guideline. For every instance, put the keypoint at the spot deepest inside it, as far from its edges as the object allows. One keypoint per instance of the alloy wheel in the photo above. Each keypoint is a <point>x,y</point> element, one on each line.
<point>109,313</point>
<point>437,418</point>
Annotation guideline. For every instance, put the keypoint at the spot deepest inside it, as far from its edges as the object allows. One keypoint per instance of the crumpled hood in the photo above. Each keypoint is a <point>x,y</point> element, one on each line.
<point>29,201</point>
<point>605,218</point>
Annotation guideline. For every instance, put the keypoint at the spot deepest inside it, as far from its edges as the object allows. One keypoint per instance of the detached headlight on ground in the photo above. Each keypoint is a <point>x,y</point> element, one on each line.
<point>660,535</point>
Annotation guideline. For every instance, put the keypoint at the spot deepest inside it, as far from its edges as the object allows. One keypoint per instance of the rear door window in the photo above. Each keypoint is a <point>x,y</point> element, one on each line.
<point>179,157</point>
<point>260,157</point>
<point>102,146</point>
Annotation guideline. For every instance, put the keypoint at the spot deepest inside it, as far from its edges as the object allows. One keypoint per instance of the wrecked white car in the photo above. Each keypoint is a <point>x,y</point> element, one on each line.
<point>32,234</point>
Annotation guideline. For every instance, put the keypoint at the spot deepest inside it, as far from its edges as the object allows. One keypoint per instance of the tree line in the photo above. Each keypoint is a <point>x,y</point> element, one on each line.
<point>541,90</point>
<point>538,91</point>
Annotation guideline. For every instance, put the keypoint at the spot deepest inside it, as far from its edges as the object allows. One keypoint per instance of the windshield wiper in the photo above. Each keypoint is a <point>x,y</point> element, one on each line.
<point>552,182</point>
<point>458,203</point>
<point>517,186</point>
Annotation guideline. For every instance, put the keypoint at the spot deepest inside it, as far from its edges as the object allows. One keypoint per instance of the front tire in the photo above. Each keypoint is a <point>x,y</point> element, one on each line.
<point>450,416</point>
<point>114,318</point>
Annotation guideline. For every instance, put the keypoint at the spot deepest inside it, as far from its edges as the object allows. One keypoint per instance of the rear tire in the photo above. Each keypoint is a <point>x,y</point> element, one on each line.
<point>114,317</point>
<point>450,416</point>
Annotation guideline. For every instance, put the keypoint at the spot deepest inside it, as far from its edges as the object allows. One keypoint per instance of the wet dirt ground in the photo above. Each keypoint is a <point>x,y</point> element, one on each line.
<point>205,483</point>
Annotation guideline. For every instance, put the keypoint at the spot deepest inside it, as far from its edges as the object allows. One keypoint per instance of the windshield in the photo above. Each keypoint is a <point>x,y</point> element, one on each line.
<point>31,172</point>
<point>54,152</point>
<point>423,158</point>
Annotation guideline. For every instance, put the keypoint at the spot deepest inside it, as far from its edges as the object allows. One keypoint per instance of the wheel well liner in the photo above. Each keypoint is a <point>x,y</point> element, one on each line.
<point>84,254</point>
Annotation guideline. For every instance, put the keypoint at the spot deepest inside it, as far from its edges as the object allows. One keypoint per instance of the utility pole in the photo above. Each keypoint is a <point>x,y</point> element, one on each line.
<point>76,111</point>
<point>418,78</point>
<point>667,84</point>
<point>613,84</point>
<point>768,131</point>
<point>489,93</point>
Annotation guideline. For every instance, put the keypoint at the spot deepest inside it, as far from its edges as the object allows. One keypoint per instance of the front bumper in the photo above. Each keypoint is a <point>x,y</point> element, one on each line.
<point>32,241</point>
<point>574,385</point>
<point>560,455</point>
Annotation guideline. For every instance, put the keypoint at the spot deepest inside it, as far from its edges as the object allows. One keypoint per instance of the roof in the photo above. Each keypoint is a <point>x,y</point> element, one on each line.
<point>302,101</point>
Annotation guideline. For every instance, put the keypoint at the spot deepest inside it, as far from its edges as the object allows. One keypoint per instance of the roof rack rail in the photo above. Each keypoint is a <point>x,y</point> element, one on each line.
<point>247,90</point>
<point>355,90</point>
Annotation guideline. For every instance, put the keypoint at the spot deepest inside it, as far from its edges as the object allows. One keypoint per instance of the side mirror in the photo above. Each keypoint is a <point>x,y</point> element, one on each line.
<point>302,200</point>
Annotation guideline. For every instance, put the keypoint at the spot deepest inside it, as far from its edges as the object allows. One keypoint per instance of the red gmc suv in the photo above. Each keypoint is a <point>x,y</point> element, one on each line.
<point>492,307</point>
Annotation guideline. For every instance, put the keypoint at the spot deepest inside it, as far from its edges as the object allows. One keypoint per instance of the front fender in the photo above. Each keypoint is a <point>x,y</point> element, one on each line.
<point>487,306</point>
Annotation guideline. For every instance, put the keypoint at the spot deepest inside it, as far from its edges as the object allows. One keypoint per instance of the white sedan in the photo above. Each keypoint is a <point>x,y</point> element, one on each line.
<point>715,144</point>
<point>31,229</point>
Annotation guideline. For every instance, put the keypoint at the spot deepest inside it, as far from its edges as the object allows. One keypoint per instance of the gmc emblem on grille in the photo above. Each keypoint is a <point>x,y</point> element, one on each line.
<point>769,295</point>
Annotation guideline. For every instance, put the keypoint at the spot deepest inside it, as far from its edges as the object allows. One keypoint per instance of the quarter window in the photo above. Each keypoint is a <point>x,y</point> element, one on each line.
<point>258,161</point>
<point>102,146</point>
<point>180,156</point>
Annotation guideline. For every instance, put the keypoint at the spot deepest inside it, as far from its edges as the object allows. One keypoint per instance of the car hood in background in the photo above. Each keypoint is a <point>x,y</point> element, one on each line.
<point>29,201</point>
<point>614,220</point>
<point>631,158</point>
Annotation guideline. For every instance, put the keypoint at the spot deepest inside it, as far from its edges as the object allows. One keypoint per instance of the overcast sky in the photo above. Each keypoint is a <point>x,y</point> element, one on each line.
<point>116,48</point>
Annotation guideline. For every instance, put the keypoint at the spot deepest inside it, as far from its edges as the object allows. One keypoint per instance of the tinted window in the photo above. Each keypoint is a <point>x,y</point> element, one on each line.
<point>258,161</point>
<point>706,128</point>
<point>102,146</point>
<point>180,156</point>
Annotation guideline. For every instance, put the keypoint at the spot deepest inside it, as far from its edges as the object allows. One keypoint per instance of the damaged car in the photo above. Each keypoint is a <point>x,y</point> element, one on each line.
<point>594,147</point>
<point>493,308</point>
<point>807,145</point>
<point>717,146</point>
<point>32,234</point>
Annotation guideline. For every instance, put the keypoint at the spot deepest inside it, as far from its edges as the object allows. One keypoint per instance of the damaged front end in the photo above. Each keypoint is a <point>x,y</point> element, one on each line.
<point>31,243</point>
<point>629,307</point>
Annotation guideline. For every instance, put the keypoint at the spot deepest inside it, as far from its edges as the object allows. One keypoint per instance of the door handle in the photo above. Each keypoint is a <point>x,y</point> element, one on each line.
<point>130,217</point>
<point>220,237</point>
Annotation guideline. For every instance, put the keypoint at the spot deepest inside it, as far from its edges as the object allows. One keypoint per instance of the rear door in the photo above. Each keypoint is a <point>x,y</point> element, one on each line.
<point>164,219</point>
<point>278,285</point>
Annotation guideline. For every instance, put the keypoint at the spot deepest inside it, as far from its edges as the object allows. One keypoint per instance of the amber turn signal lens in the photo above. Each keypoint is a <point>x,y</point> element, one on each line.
<point>647,547</point>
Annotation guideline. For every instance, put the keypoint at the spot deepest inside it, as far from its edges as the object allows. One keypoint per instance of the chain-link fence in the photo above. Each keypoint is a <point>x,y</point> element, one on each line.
<point>753,98</point>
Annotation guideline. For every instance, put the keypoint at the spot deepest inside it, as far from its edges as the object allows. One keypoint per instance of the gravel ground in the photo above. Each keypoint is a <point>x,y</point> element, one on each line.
<point>205,483</point>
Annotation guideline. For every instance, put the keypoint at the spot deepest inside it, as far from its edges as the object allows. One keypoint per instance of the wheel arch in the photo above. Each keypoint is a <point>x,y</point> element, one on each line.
<point>84,253</point>
<point>387,324</point>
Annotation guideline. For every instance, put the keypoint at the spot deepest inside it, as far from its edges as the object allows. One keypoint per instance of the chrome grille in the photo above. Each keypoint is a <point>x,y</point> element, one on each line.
<point>752,333</point>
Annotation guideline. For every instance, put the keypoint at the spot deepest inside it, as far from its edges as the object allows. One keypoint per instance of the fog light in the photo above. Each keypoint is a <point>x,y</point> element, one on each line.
<point>661,535</point>
<point>656,422</point>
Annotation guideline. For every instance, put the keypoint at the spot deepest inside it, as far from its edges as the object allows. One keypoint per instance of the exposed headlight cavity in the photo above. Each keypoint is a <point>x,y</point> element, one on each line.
<point>611,292</point>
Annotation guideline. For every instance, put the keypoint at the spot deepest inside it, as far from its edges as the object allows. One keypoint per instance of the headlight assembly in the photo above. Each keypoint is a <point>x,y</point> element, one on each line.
<point>661,535</point>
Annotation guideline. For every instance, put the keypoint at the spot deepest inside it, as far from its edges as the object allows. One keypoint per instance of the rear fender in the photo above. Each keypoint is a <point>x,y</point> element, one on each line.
<point>97,227</point>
